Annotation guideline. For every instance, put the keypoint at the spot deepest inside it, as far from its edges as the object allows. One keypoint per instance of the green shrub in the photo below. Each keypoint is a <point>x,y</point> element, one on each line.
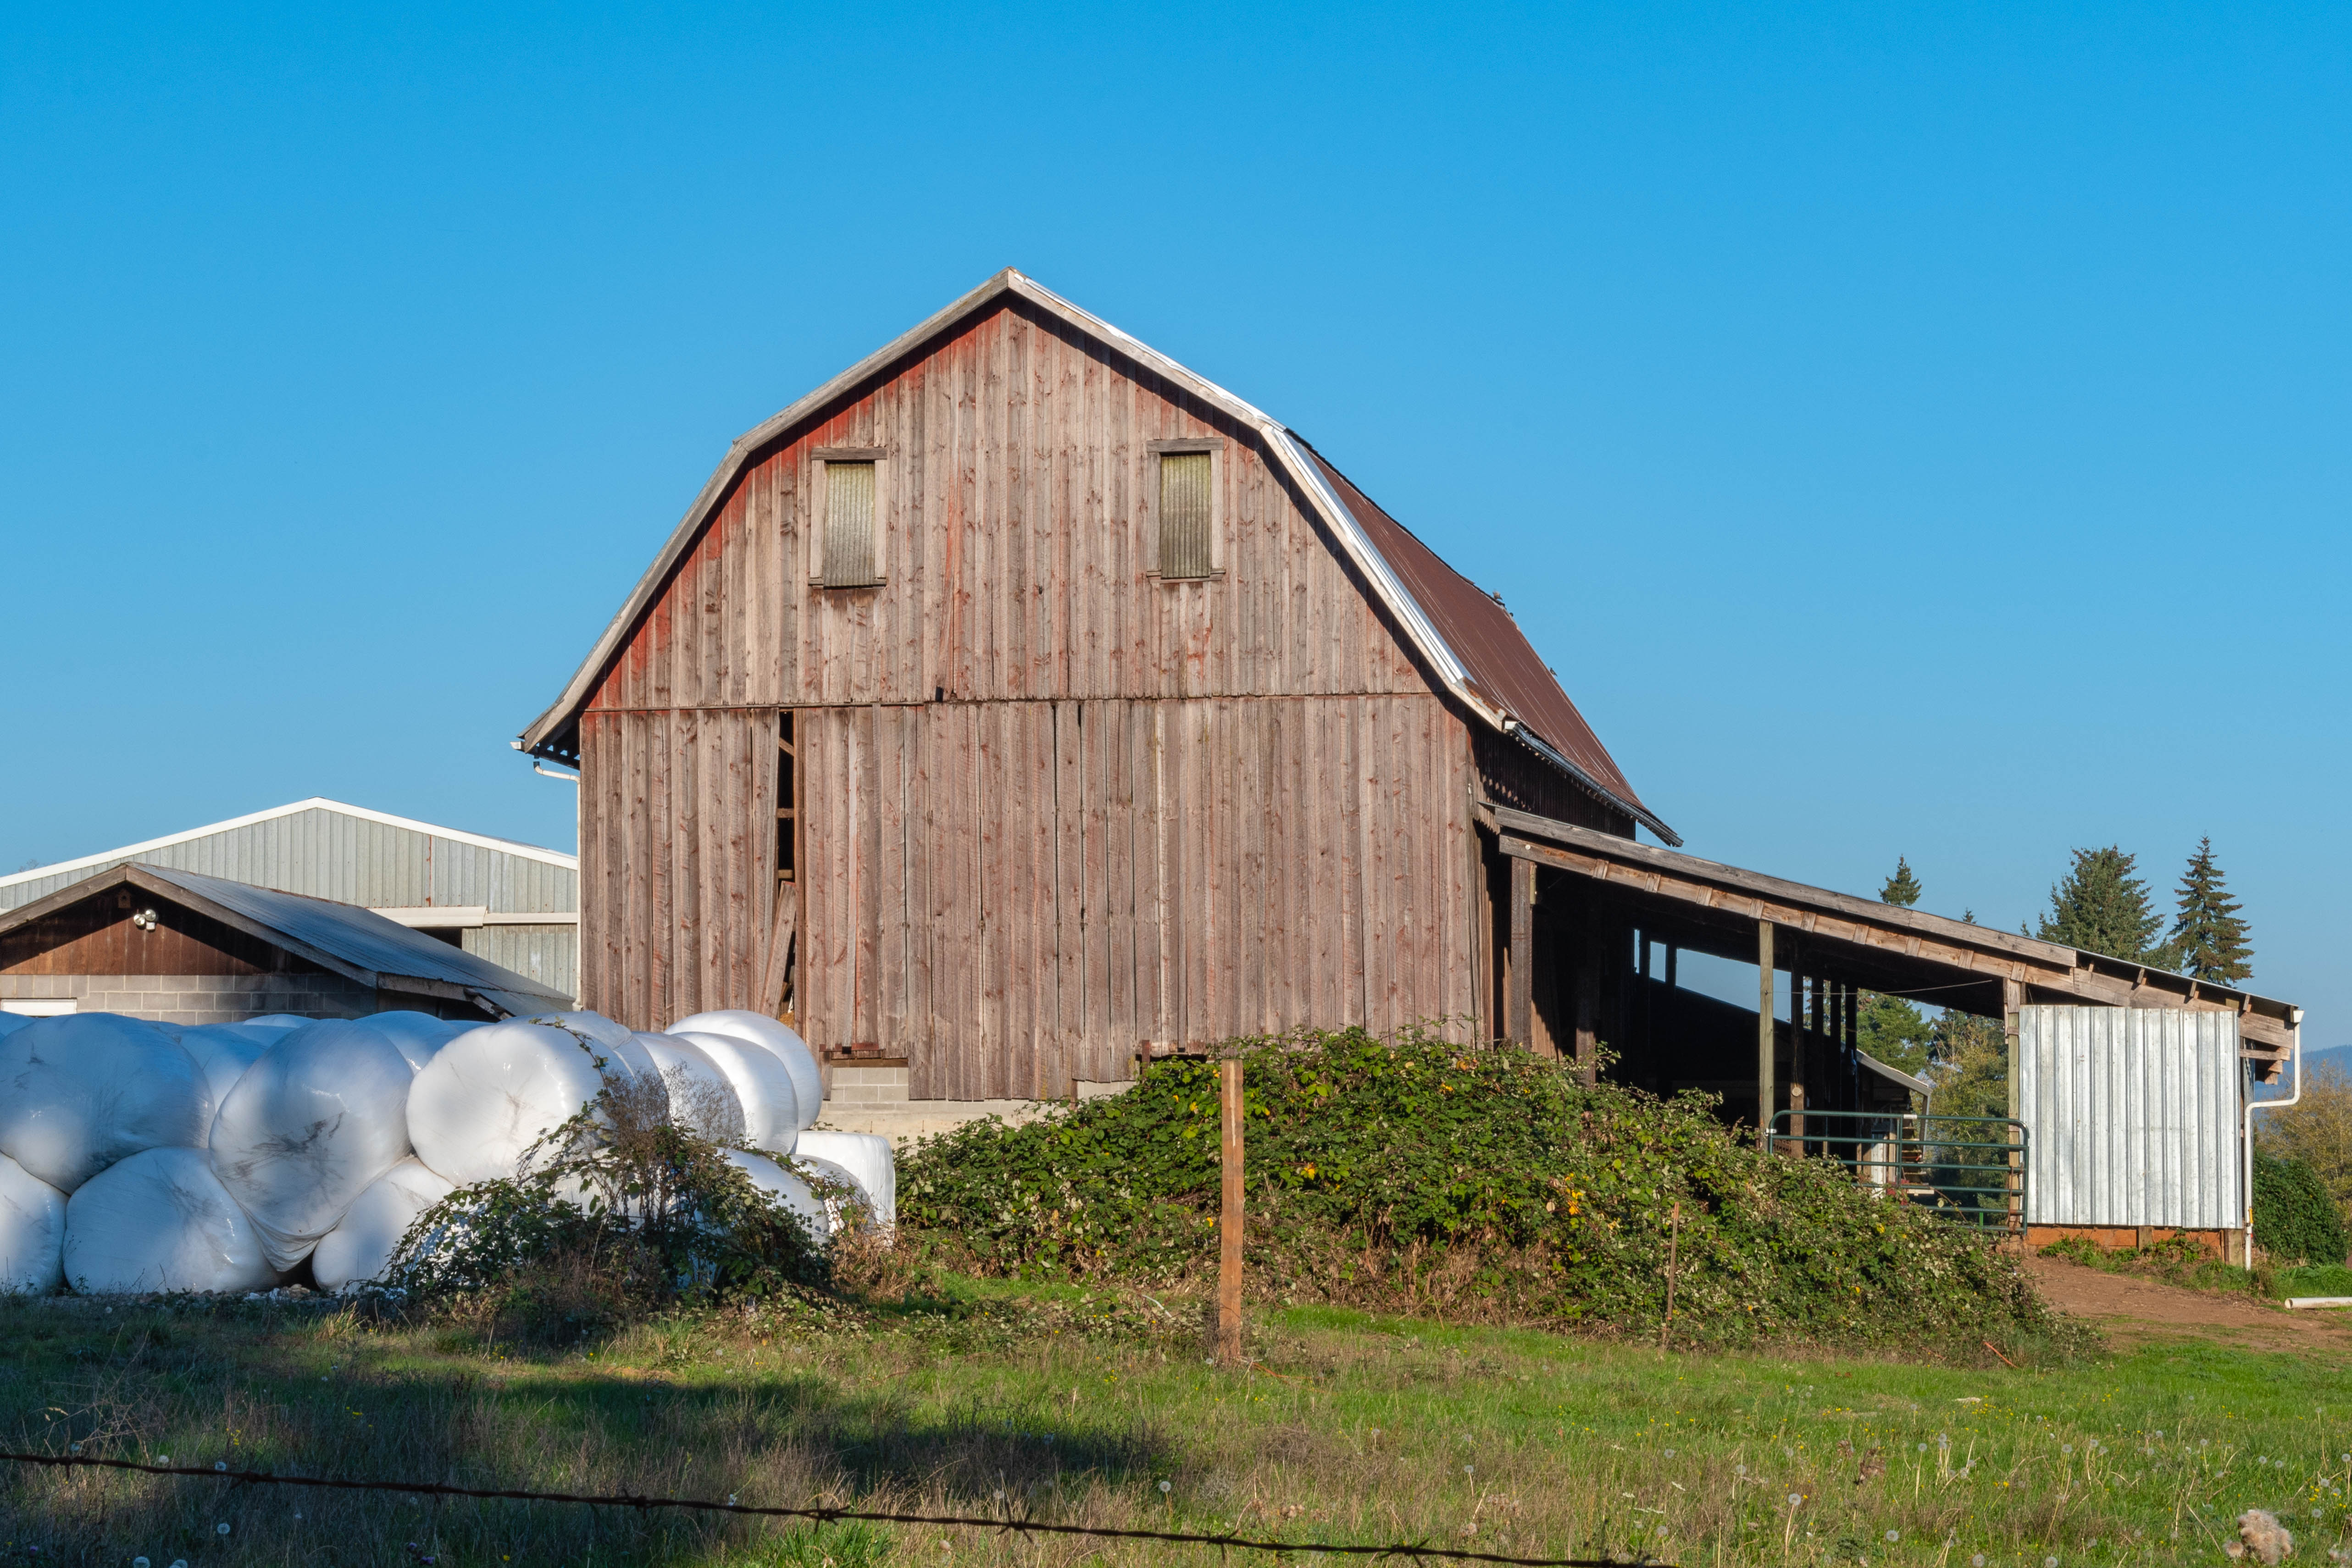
<point>2295,1220</point>
<point>1418,1174</point>
<point>623,1214</point>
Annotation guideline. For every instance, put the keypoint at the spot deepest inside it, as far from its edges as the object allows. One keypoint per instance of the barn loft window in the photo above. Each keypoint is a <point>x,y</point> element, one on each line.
<point>850,556</point>
<point>1184,495</point>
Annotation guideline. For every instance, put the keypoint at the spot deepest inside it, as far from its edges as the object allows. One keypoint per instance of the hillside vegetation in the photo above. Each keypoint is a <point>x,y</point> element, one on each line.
<point>1414,1174</point>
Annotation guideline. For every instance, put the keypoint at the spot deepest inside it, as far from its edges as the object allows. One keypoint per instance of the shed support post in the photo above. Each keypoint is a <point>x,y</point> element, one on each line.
<point>1588,1007</point>
<point>1797,1057</point>
<point>1521,1008</point>
<point>2013,1003</point>
<point>1764,1065</point>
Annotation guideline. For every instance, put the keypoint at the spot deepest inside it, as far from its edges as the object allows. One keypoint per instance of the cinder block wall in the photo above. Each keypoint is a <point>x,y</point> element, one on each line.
<point>198,999</point>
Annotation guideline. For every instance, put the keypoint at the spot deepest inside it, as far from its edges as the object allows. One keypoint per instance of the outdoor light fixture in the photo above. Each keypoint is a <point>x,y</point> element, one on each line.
<point>144,920</point>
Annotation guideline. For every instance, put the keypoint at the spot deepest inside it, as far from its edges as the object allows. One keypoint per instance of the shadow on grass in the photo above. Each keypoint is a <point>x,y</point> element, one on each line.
<point>291,1397</point>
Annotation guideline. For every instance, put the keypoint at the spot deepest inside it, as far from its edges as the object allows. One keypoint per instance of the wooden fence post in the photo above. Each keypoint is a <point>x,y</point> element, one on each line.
<point>1229,1223</point>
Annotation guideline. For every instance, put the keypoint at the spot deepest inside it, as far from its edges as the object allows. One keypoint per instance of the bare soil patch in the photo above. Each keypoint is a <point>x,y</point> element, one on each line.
<point>2134,1308</point>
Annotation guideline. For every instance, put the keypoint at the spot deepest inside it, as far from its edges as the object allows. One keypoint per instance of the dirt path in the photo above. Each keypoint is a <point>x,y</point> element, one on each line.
<point>2130,1307</point>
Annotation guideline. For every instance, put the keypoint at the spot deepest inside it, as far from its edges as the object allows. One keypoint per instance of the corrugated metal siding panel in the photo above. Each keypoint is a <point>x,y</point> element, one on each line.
<point>322,853</point>
<point>2134,1116</point>
<point>549,954</point>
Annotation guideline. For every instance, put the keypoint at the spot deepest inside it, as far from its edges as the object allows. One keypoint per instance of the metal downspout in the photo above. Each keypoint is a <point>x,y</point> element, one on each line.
<point>2246,1141</point>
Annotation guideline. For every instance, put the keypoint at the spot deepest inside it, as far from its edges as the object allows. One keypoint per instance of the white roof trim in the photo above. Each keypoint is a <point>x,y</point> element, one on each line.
<point>1281,445</point>
<point>1896,1075</point>
<point>315,803</point>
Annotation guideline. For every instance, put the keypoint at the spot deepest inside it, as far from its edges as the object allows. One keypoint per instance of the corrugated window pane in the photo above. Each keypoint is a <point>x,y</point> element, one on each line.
<point>1184,514</point>
<point>848,524</point>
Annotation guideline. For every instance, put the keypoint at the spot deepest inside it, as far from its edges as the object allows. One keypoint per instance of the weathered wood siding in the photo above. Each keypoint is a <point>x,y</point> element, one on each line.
<point>1017,894</point>
<point>1052,806</point>
<point>676,841</point>
<point>1016,515</point>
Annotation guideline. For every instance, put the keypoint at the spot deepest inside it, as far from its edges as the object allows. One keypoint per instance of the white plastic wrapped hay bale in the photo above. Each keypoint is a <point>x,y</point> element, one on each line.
<point>775,1037</point>
<point>356,1251</point>
<point>223,1051</point>
<point>31,1232</point>
<point>161,1221</point>
<point>81,1092</point>
<point>625,1057</point>
<point>868,1159</point>
<point>793,1193</point>
<point>771,1112</point>
<point>309,1127</point>
<point>416,1035</point>
<point>477,1108</point>
<point>702,1099</point>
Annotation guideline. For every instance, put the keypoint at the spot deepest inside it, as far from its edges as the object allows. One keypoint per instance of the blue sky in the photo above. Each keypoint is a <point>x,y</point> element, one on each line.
<point>1908,430</point>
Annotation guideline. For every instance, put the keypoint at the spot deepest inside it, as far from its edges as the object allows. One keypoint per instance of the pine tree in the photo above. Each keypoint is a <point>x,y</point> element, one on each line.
<point>2209,940</point>
<point>1902,888</point>
<point>2103,908</point>
<point>1894,1031</point>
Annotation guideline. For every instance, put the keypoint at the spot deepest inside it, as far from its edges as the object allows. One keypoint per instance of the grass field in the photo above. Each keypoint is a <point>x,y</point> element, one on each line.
<point>1072,1406</point>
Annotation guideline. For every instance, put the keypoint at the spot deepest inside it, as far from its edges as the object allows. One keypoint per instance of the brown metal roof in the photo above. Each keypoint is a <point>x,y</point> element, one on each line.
<point>1491,649</point>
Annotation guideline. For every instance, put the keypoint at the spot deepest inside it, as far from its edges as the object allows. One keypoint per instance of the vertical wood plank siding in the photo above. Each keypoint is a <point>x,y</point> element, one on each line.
<point>1055,808</point>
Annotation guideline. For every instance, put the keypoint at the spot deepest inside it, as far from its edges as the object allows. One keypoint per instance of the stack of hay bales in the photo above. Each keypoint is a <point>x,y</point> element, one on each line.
<point>137,1157</point>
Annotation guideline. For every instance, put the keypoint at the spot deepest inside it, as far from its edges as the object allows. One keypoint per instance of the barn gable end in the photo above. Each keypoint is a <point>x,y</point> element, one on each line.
<point>1040,809</point>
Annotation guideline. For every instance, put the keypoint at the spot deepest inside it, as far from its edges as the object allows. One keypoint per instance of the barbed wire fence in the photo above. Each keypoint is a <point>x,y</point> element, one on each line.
<point>822,1513</point>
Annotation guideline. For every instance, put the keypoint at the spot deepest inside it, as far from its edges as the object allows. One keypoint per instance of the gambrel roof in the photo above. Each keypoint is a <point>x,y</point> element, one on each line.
<point>1465,638</point>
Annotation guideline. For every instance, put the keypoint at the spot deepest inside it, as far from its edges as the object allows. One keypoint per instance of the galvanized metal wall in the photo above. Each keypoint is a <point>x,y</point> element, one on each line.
<point>326,853</point>
<point>2136,1115</point>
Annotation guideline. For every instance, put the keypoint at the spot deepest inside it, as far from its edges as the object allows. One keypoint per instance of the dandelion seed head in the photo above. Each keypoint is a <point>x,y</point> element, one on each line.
<point>1795,1497</point>
<point>220,1464</point>
<point>1893,1536</point>
<point>220,1529</point>
<point>1164,1487</point>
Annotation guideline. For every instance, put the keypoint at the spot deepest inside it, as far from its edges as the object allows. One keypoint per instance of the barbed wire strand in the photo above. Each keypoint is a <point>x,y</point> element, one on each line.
<point>819,1515</point>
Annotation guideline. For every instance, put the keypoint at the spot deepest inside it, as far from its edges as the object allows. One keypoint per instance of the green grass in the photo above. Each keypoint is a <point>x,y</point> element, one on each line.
<point>2326,1279</point>
<point>1077,1406</point>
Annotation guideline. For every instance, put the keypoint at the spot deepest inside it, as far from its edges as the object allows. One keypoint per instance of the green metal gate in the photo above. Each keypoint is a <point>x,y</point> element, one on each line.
<point>1971,1170</point>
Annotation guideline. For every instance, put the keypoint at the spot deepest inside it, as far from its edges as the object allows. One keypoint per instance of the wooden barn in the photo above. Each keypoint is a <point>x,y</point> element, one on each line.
<point>1019,705</point>
<point>1019,702</point>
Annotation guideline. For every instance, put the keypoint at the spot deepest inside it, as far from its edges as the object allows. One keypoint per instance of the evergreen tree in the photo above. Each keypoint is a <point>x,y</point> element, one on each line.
<point>2101,907</point>
<point>1972,1057</point>
<point>1891,1028</point>
<point>1893,1031</point>
<point>2209,940</point>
